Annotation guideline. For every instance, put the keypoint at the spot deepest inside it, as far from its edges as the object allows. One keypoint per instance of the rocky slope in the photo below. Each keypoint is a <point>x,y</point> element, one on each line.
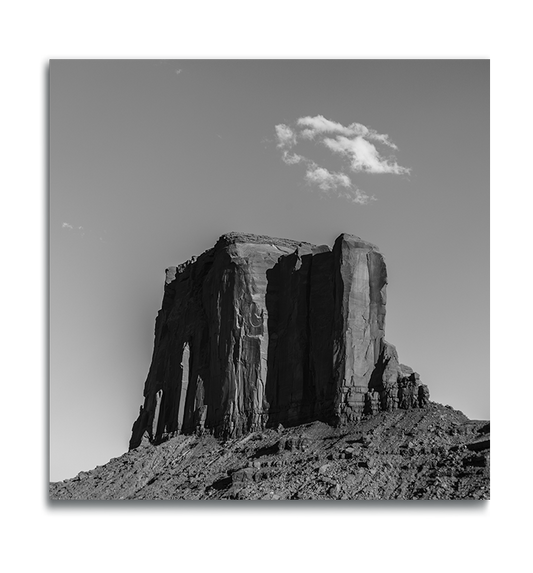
<point>259,331</point>
<point>428,453</point>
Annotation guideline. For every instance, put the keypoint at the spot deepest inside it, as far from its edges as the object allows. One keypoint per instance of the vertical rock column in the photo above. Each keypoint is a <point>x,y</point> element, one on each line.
<point>360,279</point>
<point>235,294</point>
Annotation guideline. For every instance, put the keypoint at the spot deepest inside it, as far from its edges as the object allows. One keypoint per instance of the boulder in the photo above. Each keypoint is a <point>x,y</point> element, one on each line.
<point>423,396</point>
<point>243,475</point>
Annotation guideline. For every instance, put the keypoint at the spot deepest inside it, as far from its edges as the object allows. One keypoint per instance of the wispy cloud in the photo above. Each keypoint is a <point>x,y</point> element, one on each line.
<point>355,144</point>
<point>340,183</point>
<point>286,136</point>
<point>319,125</point>
<point>291,158</point>
<point>325,179</point>
<point>178,72</point>
<point>363,155</point>
<point>81,231</point>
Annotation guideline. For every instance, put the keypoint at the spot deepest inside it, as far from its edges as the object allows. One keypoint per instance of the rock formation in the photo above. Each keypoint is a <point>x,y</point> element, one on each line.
<point>258,332</point>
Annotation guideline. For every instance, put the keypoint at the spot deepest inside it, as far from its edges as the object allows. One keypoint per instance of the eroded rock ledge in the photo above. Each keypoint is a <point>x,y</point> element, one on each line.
<point>259,331</point>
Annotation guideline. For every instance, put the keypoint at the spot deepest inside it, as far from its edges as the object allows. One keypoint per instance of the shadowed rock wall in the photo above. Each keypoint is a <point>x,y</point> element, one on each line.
<point>259,331</point>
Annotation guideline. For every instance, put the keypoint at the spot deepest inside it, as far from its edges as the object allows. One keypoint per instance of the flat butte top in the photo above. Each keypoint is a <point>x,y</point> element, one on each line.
<point>234,237</point>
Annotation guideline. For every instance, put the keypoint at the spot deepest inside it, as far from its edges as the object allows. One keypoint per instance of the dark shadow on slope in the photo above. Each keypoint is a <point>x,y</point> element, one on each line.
<point>485,429</point>
<point>267,451</point>
<point>222,483</point>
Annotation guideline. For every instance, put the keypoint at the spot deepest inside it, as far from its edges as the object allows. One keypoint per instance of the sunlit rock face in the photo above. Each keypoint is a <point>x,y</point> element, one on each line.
<point>259,331</point>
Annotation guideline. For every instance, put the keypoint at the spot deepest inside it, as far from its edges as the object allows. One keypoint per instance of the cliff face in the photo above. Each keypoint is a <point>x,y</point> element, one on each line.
<point>260,331</point>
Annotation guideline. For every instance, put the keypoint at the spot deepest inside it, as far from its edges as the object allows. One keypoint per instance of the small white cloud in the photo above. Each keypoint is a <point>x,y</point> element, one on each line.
<point>325,179</point>
<point>339,183</point>
<point>363,155</point>
<point>78,230</point>
<point>381,137</point>
<point>319,124</point>
<point>286,136</point>
<point>178,72</point>
<point>291,158</point>
<point>354,143</point>
<point>356,196</point>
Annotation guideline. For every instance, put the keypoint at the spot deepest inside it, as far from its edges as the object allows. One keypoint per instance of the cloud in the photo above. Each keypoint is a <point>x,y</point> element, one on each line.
<point>319,124</point>
<point>356,196</point>
<point>81,231</point>
<point>291,158</point>
<point>328,181</point>
<point>178,72</point>
<point>355,144</point>
<point>325,179</point>
<point>286,136</point>
<point>363,155</point>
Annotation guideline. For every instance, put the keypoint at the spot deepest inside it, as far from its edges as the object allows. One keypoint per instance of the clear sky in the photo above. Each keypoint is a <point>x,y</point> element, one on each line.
<point>151,161</point>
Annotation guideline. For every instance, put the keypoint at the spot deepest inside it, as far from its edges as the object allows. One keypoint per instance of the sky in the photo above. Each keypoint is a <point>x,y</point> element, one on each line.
<point>152,160</point>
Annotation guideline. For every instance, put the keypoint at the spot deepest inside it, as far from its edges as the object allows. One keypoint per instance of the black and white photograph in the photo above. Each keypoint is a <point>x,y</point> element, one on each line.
<point>269,279</point>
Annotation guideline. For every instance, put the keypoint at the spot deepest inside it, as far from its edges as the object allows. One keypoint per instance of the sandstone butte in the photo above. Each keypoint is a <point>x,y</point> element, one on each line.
<point>259,331</point>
